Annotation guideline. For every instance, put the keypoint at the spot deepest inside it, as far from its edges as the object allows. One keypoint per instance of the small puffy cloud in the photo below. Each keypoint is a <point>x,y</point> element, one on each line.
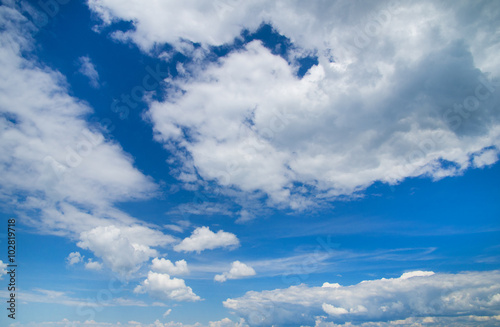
<point>332,285</point>
<point>74,258</point>
<point>203,238</point>
<point>87,68</point>
<point>93,265</point>
<point>167,313</point>
<point>414,294</point>
<point>166,266</point>
<point>123,249</point>
<point>238,270</point>
<point>161,286</point>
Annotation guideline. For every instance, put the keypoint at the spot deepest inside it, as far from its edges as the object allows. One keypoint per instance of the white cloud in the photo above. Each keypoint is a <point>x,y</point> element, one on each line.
<point>333,311</point>
<point>162,287</point>
<point>175,228</point>
<point>175,22</point>
<point>93,265</point>
<point>238,270</point>
<point>486,158</point>
<point>167,313</point>
<point>389,99</point>
<point>166,266</point>
<point>87,68</point>
<point>52,162</point>
<point>203,238</point>
<point>419,294</point>
<point>309,132</point>
<point>332,285</point>
<point>417,273</point>
<point>74,258</point>
<point>469,321</point>
<point>343,27</point>
<point>123,249</point>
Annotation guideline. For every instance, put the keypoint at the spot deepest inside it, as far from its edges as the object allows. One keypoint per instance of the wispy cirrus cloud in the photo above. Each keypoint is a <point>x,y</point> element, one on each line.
<point>88,69</point>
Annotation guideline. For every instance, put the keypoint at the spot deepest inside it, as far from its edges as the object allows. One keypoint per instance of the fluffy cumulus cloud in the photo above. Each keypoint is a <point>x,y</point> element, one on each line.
<point>162,287</point>
<point>123,249</point>
<point>401,89</point>
<point>203,238</point>
<point>74,258</point>
<point>417,294</point>
<point>424,321</point>
<point>238,270</point>
<point>60,173</point>
<point>93,265</point>
<point>166,266</point>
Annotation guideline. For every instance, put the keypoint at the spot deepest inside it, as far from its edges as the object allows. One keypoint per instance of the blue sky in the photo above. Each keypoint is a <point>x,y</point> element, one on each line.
<point>255,163</point>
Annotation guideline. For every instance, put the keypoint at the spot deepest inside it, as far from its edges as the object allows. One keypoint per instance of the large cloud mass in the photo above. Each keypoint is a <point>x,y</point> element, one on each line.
<point>401,90</point>
<point>419,294</point>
